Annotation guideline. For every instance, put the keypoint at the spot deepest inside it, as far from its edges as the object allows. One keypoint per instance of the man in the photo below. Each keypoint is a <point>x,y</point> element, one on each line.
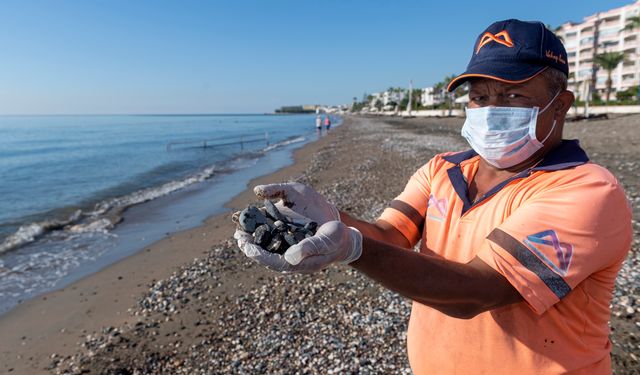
<point>521,237</point>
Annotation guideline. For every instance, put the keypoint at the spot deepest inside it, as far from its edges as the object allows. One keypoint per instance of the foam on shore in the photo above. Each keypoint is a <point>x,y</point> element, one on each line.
<point>107,214</point>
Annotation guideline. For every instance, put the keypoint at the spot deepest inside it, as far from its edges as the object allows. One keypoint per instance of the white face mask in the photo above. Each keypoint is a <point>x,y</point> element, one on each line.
<point>504,136</point>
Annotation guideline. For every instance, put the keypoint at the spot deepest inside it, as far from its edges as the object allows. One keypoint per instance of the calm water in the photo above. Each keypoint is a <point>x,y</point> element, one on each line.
<point>65,182</point>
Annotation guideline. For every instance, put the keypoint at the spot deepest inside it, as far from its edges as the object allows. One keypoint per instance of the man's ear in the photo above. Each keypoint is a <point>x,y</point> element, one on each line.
<point>564,103</point>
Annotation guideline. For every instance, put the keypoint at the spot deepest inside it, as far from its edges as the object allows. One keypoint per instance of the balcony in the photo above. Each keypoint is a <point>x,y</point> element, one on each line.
<point>628,69</point>
<point>628,77</point>
<point>587,30</point>
<point>610,20</point>
<point>608,37</point>
<point>586,35</point>
<point>585,52</point>
<point>584,57</point>
<point>584,74</point>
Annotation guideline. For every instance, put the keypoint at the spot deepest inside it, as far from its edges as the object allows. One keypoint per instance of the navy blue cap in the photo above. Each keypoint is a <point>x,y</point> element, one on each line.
<point>514,51</point>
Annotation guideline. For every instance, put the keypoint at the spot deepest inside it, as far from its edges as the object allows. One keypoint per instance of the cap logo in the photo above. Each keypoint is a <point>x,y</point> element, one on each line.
<point>502,37</point>
<point>557,58</point>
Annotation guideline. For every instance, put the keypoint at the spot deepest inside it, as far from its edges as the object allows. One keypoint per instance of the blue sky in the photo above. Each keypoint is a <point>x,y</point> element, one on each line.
<point>235,56</point>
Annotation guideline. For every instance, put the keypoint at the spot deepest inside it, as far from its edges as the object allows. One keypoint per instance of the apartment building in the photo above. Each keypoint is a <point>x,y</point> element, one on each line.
<point>395,96</point>
<point>430,97</point>
<point>608,29</point>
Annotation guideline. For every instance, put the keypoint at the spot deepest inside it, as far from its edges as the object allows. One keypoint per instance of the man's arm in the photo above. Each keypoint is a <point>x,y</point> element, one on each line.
<point>456,289</point>
<point>380,231</point>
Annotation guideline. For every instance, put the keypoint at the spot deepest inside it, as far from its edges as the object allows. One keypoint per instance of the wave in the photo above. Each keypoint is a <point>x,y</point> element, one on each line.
<point>285,142</point>
<point>107,213</point>
<point>29,233</point>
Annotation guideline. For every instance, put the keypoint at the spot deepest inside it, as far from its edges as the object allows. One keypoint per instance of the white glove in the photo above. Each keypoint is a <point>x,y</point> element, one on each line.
<point>299,199</point>
<point>273,261</point>
<point>333,242</point>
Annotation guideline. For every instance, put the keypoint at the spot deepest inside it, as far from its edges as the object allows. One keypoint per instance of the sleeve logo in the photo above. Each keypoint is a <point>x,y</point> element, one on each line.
<point>564,251</point>
<point>440,206</point>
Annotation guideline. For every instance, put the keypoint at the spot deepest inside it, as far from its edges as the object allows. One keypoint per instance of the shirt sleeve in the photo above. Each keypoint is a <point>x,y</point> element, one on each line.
<point>407,211</point>
<point>561,236</point>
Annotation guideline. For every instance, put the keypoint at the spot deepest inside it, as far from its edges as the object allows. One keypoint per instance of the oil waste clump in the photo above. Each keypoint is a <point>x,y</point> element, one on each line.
<point>272,230</point>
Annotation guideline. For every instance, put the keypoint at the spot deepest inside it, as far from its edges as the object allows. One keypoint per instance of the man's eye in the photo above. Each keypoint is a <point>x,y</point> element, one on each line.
<point>478,98</point>
<point>513,96</point>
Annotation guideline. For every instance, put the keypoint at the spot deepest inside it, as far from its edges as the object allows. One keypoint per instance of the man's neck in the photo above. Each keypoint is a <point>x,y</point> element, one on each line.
<point>488,176</point>
<point>531,162</point>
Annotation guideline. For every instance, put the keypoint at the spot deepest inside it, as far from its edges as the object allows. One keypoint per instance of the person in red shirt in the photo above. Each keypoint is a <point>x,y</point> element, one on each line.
<point>520,238</point>
<point>327,122</point>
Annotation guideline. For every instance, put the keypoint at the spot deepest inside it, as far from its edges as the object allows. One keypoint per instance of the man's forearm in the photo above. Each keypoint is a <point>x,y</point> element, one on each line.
<point>456,289</point>
<point>376,231</point>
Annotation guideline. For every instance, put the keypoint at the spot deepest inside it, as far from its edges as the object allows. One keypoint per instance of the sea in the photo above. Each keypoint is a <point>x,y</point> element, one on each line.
<point>78,193</point>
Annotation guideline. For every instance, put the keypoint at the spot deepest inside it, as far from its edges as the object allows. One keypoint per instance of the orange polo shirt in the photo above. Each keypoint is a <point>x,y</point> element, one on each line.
<point>558,232</point>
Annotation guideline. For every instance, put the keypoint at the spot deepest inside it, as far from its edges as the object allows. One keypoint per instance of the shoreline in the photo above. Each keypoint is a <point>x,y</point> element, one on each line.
<point>62,317</point>
<point>101,220</point>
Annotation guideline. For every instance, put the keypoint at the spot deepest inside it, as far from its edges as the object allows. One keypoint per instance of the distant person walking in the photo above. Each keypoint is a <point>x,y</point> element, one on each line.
<point>318,123</point>
<point>327,122</point>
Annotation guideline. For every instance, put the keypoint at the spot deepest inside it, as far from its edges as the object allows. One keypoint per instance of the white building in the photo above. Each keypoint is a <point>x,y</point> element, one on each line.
<point>431,97</point>
<point>392,97</point>
<point>375,97</point>
<point>579,41</point>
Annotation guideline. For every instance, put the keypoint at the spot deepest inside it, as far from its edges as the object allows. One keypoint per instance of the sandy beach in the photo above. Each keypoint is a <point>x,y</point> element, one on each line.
<point>192,303</point>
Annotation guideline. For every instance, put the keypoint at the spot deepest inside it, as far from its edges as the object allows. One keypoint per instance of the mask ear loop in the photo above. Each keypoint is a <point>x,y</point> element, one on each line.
<point>554,119</point>
<point>550,102</point>
<point>550,132</point>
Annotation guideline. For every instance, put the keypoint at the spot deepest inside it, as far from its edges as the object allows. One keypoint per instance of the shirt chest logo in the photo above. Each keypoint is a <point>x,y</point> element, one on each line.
<point>437,208</point>
<point>541,242</point>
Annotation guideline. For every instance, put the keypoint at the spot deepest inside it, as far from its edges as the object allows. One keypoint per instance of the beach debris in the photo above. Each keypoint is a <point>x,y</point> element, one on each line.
<point>272,230</point>
<point>277,245</point>
<point>311,226</point>
<point>250,218</point>
<point>262,235</point>
<point>272,211</point>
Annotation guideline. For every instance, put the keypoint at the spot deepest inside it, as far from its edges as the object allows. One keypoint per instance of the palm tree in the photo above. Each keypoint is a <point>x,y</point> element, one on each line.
<point>417,97</point>
<point>378,104</point>
<point>632,23</point>
<point>609,61</point>
<point>449,96</point>
<point>438,90</point>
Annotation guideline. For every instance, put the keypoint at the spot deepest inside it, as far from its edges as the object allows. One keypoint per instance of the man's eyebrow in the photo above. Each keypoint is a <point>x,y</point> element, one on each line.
<point>512,88</point>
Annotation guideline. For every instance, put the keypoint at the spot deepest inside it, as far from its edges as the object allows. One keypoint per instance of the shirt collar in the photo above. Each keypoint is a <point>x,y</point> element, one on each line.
<point>567,155</point>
